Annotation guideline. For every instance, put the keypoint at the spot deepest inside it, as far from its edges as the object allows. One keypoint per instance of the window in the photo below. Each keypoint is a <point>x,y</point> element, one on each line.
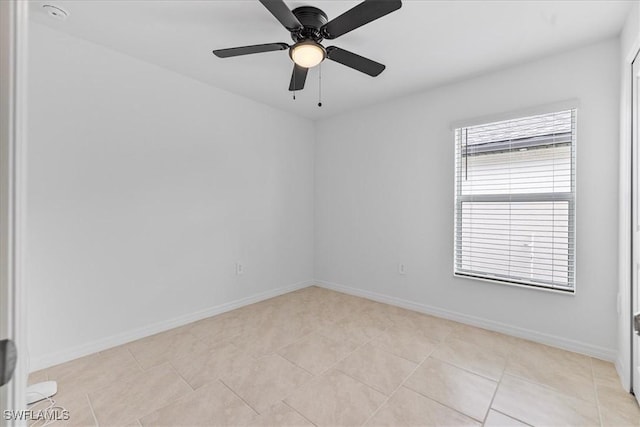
<point>515,201</point>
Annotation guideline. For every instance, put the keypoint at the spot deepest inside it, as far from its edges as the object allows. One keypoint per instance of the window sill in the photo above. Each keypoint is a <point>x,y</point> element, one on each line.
<point>570,292</point>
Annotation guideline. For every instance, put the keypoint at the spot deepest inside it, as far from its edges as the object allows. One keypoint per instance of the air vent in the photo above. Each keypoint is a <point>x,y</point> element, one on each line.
<point>55,12</point>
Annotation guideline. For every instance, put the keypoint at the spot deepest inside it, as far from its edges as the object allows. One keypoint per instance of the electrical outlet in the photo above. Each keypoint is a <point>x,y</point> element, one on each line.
<point>239,269</point>
<point>402,269</point>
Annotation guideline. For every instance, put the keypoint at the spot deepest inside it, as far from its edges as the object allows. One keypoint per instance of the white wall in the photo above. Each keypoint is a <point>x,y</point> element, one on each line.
<point>144,189</point>
<point>385,195</point>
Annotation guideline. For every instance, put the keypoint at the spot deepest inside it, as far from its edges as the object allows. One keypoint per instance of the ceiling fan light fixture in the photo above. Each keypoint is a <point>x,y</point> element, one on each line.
<point>307,53</point>
<point>308,26</point>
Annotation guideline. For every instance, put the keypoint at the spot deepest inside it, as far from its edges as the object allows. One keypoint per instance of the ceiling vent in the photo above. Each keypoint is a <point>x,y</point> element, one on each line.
<point>55,12</point>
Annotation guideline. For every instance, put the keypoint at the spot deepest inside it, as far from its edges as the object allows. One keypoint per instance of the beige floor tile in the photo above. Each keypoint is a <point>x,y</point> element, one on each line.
<point>538,405</point>
<point>453,387</point>
<point>127,400</point>
<point>214,330</point>
<point>315,322</point>
<point>570,373</point>
<point>270,336</point>
<point>280,415</point>
<point>497,419</point>
<point>316,352</point>
<point>37,377</point>
<point>166,346</point>
<point>211,405</point>
<point>564,358</point>
<point>406,343</point>
<point>315,296</point>
<point>320,330</point>
<point>377,368</point>
<point>202,368</point>
<point>353,328</point>
<point>253,311</point>
<point>390,311</point>
<point>407,408</point>
<point>76,405</point>
<point>480,360</point>
<point>379,314</point>
<point>495,341</point>
<point>339,309</point>
<point>266,381</point>
<point>258,344</point>
<point>310,311</point>
<point>94,371</point>
<point>271,314</point>
<point>335,399</point>
<point>428,326</point>
<point>615,401</point>
<point>616,419</point>
<point>605,372</point>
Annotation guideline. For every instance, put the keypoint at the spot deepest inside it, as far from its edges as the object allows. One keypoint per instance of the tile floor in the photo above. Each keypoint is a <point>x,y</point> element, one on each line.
<point>317,357</point>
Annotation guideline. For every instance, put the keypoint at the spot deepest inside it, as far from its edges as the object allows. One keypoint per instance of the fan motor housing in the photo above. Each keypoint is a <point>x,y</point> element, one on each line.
<point>312,20</point>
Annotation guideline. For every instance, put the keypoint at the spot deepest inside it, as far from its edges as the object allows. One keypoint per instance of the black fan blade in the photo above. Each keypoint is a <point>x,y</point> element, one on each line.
<point>365,12</point>
<point>248,50</point>
<point>283,14</point>
<point>354,61</point>
<point>298,77</point>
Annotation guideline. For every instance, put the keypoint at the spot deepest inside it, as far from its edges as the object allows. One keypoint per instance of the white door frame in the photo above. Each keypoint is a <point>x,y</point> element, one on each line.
<point>13,98</point>
<point>625,360</point>
<point>635,220</point>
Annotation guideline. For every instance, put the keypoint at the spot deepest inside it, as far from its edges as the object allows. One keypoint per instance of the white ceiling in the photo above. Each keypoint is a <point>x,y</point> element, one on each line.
<point>424,44</point>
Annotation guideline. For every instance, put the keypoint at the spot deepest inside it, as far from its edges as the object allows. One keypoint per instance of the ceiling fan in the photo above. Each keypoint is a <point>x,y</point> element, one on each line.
<point>308,27</point>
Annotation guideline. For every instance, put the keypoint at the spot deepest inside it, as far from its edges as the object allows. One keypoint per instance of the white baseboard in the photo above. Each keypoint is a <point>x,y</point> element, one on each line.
<point>47,360</point>
<point>528,334</point>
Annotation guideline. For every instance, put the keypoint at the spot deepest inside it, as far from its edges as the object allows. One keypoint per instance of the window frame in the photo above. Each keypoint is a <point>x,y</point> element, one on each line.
<point>569,197</point>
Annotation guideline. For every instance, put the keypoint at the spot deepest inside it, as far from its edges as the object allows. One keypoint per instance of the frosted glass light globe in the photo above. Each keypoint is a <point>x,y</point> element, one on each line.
<point>307,54</point>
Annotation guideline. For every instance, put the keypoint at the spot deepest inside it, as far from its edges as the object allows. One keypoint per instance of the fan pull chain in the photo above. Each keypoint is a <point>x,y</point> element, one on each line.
<point>320,85</point>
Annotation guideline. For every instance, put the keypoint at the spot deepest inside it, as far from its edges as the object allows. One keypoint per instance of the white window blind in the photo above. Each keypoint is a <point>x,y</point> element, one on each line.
<point>515,201</point>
